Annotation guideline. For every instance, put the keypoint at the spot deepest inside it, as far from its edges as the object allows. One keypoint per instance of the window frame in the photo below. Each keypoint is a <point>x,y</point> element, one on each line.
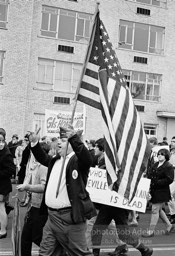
<point>5,3</point>
<point>48,25</point>
<point>72,88</point>
<point>146,97</point>
<point>149,127</point>
<point>163,3</point>
<point>2,57</point>
<point>125,45</point>
<point>58,12</point>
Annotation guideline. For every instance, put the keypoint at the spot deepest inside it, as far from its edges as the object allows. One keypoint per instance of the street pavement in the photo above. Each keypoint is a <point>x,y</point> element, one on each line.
<point>161,243</point>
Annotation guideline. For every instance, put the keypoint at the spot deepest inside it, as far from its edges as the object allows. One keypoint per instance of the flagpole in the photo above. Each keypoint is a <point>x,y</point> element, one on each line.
<point>88,52</point>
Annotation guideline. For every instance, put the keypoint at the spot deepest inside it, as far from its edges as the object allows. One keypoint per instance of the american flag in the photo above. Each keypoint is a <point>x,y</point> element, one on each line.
<point>104,87</point>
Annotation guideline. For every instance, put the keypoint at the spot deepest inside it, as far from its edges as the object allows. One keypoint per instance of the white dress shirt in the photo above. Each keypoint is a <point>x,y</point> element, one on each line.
<point>62,200</point>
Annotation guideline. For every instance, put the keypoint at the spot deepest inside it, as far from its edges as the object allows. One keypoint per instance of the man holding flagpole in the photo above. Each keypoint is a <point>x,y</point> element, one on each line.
<point>67,212</point>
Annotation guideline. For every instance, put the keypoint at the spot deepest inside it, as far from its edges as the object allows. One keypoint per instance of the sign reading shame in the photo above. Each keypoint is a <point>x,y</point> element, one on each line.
<point>97,187</point>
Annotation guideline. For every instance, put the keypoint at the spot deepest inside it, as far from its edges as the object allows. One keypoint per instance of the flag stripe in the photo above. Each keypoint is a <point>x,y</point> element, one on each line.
<point>124,143</point>
<point>133,164</point>
<point>129,165</point>
<point>142,163</point>
<point>91,73</point>
<point>89,101</point>
<point>110,153</point>
<point>123,121</point>
<point>89,87</point>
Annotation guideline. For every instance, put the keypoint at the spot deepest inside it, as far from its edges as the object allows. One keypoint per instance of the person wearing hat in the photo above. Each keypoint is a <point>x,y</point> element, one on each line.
<point>71,207</point>
<point>7,169</point>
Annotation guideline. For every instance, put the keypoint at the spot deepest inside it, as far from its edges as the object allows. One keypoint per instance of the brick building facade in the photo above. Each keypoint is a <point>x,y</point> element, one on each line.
<point>42,50</point>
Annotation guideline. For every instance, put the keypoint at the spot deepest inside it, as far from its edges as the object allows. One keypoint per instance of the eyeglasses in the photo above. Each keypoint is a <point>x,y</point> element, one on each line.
<point>161,154</point>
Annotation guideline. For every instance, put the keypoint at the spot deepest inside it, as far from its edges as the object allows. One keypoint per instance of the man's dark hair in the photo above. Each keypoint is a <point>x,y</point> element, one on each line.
<point>54,139</point>
<point>100,144</point>
<point>26,136</point>
<point>15,136</point>
<point>92,142</point>
<point>3,132</point>
<point>45,147</point>
<point>153,140</point>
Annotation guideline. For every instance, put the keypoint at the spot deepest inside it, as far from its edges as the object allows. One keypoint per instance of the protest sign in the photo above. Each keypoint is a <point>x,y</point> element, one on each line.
<point>54,119</point>
<point>100,193</point>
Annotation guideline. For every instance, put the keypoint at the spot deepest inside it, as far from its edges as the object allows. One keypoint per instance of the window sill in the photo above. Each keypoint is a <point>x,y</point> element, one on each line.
<point>4,28</point>
<point>147,101</point>
<point>144,53</point>
<point>63,40</point>
<point>150,5</point>
<point>51,90</point>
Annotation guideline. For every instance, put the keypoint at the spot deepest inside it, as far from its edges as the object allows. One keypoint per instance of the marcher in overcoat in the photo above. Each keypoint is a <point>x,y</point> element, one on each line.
<point>161,175</point>
<point>7,169</point>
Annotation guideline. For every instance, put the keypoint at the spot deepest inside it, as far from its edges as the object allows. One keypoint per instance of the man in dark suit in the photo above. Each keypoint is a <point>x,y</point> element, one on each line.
<point>67,212</point>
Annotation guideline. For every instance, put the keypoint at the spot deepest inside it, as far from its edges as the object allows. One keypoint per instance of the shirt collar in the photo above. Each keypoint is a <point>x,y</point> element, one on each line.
<point>70,155</point>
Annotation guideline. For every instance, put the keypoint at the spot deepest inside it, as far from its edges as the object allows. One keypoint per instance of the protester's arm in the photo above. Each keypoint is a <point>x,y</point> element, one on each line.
<point>40,155</point>
<point>80,150</point>
<point>39,188</point>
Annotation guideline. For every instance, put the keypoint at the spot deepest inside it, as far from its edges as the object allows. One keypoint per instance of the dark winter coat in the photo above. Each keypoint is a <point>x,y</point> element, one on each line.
<point>161,177</point>
<point>7,169</point>
<point>82,207</point>
<point>23,164</point>
<point>12,147</point>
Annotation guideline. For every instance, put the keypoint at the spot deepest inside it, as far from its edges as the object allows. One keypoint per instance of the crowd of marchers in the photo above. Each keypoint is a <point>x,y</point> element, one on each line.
<point>52,173</point>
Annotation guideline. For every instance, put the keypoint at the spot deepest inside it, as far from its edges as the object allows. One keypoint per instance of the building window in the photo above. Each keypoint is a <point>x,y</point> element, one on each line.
<point>1,65</point>
<point>159,3</point>
<point>49,22</point>
<point>141,37</point>
<point>3,13</point>
<point>65,24</point>
<point>150,130</point>
<point>38,122</point>
<point>143,86</point>
<point>58,75</point>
